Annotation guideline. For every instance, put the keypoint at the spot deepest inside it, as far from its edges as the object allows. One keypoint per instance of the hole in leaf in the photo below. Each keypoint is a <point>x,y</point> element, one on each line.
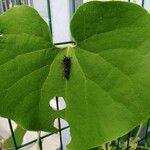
<point>63,123</point>
<point>58,104</point>
<point>66,136</point>
<point>64,129</point>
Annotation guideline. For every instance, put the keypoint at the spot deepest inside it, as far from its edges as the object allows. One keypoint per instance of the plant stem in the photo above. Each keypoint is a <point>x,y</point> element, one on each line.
<point>106,146</point>
<point>139,130</point>
<point>134,142</point>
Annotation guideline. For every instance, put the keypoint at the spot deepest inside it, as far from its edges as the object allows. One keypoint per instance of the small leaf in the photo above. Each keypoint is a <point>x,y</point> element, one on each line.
<point>19,134</point>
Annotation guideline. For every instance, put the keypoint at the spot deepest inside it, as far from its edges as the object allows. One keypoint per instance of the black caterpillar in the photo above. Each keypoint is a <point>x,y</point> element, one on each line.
<point>67,67</point>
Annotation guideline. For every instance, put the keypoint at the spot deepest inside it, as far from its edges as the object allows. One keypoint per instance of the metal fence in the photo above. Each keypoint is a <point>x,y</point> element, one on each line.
<point>74,4</point>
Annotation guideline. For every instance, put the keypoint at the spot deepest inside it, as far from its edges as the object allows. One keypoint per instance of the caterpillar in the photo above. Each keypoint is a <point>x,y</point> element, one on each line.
<point>66,67</point>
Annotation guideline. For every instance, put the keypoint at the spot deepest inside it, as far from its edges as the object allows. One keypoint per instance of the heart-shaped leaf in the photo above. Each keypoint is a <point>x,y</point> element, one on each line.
<point>104,78</point>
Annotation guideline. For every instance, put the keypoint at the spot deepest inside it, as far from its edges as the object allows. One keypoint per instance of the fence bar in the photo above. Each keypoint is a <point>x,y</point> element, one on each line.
<point>49,16</point>
<point>73,6</point>
<point>18,2</point>
<point>39,141</point>
<point>43,137</point>
<point>29,143</point>
<point>107,146</point>
<point>118,144</point>
<point>142,3</point>
<point>63,43</point>
<point>147,126</point>
<point>128,140</point>
<point>26,2</point>
<point>13,135</point>
<point>31,2</point>
<point>59,125</point>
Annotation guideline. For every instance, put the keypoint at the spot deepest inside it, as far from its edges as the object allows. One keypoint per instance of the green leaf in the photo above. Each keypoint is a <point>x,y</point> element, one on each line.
<point>107,94</point>
<point>19,134</point>
<point>26,55</point>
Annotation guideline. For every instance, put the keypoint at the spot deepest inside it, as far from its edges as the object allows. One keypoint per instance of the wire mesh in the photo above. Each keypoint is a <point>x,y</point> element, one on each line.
<point>6,5</point>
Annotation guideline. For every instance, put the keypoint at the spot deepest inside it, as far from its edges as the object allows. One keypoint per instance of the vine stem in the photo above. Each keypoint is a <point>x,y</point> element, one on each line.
<point>106,146</point>
<point>135,140</point>
<point>139,130</point>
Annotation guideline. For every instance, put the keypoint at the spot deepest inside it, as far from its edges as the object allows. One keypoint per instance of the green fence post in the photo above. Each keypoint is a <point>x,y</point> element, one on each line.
<point>18,2</point>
